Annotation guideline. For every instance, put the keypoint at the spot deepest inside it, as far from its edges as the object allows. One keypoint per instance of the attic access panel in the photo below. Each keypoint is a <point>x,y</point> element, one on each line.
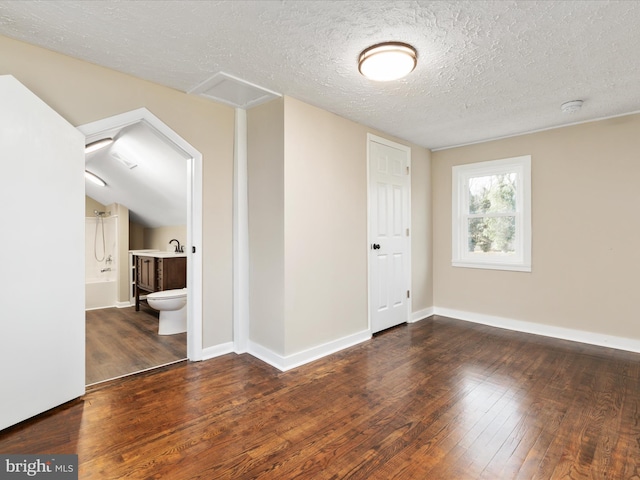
<point>233,91</point>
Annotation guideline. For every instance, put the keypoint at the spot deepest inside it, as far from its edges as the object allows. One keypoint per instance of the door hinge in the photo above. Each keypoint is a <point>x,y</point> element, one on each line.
<point>407,232</point>
<point>408,294</point>
<point>407,170</point>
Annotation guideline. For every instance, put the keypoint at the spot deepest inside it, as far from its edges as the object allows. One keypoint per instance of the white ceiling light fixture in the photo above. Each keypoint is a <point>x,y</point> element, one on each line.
<point>571,107</point>
<point>97,145</point>
<point>92,177</point>
<point>388,61</point>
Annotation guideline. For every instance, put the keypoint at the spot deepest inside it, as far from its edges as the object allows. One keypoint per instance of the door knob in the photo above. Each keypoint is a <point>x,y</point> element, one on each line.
<point>376,246</point>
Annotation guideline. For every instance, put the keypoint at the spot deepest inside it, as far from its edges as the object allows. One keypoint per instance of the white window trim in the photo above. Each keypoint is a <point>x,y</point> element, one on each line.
<point>459,246</point>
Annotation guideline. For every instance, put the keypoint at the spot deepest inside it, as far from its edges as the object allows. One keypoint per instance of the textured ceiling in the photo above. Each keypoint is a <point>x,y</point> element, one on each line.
<point>485,69</point>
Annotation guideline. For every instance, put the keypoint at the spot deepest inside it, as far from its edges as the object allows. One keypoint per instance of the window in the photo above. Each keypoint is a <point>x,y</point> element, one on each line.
<point>492,215</point>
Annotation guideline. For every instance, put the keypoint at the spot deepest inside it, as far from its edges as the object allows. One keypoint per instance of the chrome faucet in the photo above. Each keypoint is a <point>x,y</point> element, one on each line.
<point>179,249</point>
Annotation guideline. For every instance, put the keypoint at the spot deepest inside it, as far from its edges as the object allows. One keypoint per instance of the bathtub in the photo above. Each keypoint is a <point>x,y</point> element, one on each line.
<point>100,266</point>
<point>100,293</point>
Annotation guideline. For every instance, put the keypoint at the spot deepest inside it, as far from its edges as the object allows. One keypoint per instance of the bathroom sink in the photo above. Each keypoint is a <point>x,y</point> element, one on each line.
<point>166,254</point>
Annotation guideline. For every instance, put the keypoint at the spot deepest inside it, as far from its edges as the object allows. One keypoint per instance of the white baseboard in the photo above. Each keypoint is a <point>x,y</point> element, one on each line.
<point>582,336</point>
<point>421,315</point>
<point>217,350</point>
<point>288,362</point>
<point>284,363</point>
<point>117,305</point>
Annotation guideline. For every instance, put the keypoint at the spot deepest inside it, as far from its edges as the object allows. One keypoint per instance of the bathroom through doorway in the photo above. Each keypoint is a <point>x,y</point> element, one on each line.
<point>133,132</point>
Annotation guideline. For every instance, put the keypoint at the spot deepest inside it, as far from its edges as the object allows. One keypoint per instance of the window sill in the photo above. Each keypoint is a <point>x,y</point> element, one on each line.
<point>493,266</point>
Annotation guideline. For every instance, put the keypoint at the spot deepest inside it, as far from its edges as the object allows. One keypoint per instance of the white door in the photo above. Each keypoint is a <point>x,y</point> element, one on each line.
<point>389,229</point>
<point>41,256</point>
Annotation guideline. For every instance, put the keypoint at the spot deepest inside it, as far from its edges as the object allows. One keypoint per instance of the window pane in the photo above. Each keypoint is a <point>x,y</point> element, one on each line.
<point>492,235</point>
<point>491,224</point>
<point>493,193</point>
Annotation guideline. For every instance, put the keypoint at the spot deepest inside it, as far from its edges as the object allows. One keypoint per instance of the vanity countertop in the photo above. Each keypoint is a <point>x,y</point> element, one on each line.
<point>156,253</point>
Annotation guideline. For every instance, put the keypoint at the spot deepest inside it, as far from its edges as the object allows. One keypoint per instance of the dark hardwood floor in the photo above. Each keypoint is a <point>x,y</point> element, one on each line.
<point>121,341</point>
<point>439,399</point>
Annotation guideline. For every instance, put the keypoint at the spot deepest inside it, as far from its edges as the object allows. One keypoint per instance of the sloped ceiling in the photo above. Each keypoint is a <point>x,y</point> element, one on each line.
<point>145,172</point>
<point>486,68</point>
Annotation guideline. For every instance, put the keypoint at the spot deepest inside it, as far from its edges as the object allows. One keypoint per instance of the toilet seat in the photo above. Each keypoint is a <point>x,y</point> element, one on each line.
<point>172,305</point>
<point>167,294</point>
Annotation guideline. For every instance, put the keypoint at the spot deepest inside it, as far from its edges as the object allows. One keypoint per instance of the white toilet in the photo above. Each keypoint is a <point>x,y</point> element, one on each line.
<point>172,305</point>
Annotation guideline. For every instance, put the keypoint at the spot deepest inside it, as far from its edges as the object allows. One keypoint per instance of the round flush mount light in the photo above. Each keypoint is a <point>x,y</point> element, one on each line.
<point>387,61</point>
<point>97,145</point>
<point>92,177</point>
<point>571,107</point>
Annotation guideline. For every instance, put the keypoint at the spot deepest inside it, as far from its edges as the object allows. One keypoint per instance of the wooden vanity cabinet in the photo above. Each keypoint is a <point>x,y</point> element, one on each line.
<point>156,274</point>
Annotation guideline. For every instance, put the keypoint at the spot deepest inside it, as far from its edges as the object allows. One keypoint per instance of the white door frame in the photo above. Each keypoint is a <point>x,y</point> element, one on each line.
<point>374,138</point>
<point>93,131</point>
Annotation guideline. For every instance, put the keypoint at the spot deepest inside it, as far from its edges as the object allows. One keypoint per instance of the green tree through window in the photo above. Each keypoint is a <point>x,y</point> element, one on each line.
<point>492,208</point>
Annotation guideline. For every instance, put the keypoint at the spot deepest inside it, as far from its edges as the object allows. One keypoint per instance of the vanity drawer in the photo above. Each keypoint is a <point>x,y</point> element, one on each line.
<point>146,273</point>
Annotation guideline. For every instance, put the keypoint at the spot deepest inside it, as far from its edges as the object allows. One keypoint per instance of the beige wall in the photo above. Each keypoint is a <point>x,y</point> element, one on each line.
<point>265,152</point>
<point>82,93</point>
<point>90,205</point>
<point>421,231</point>
<point>325,226</point>
<point>318,179</point>
<point>585,197</point>
<point>136,236</point>
<point>158,238</point>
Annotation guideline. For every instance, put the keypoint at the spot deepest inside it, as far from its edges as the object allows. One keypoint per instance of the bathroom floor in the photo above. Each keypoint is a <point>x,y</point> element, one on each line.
<point>121,341</point>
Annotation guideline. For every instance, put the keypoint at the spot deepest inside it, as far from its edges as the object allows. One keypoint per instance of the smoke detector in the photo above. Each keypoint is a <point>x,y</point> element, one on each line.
<point>571,107</point>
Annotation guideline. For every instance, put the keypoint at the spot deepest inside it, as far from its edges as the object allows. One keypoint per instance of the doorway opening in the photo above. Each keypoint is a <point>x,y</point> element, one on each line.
<point>154,181</point>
